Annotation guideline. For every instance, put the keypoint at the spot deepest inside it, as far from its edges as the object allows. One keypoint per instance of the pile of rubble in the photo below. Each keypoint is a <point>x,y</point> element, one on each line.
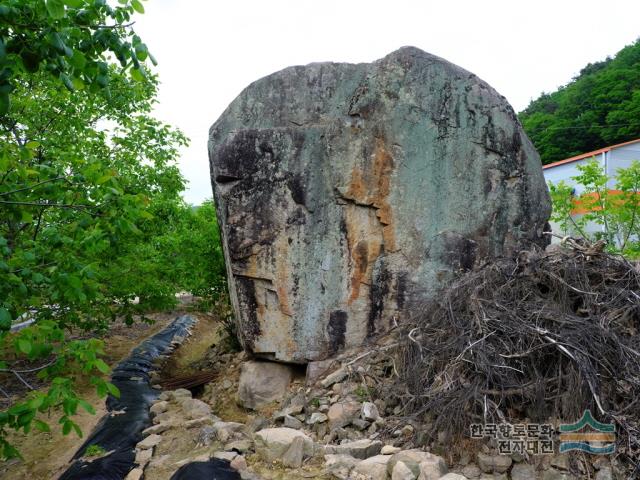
<point>324,425</point>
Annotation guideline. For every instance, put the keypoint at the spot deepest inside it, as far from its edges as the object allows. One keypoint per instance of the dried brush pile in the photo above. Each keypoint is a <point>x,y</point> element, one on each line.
<point>543,336</point>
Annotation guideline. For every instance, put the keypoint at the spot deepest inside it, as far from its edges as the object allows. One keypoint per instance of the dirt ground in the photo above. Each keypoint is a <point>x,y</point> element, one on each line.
<point>47,455</point>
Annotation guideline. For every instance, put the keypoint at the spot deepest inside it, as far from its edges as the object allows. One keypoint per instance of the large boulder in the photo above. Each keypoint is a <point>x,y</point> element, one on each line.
<point>346,192</point>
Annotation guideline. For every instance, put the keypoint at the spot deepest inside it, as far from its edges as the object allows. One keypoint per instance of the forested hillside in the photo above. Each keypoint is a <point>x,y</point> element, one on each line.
<point>600,107</point>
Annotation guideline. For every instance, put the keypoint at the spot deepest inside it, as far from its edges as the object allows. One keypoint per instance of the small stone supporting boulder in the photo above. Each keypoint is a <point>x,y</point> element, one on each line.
<point>262,383</point>
<point>345,192</point>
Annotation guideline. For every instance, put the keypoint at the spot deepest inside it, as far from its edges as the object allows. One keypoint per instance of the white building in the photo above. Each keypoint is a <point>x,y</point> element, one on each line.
<point>610,158</point>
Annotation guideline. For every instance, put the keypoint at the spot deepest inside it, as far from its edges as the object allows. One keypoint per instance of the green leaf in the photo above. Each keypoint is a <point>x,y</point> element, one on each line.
<point>24,346</point>
<point>101,388</point>
<point>141,52</point>
<point>5,319</point>
<point>25,418</point>
<point>77,429</point>
<point>18,409</point>
<point>101,366</point>
<point>78,60</point>
<point>87,406</point>
<point>77,83</point>
<point>26,217</point>
<point>73,3</point>
<point>36,402</point>
<point>66,427</point>
<point>5,103</point>
<point>136,74</point>
<point>42,426</point>
<point>137,6</point>
<point>66,80</point>
<point>32,144</point>
<point>55,9</point>
<point>113,390</point>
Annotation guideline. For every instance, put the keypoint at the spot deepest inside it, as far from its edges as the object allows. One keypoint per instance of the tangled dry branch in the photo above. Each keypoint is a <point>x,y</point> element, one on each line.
<point>542,336</point>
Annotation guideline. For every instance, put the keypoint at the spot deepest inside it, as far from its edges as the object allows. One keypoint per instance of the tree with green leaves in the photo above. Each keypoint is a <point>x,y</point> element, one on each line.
<point>600,107</point>
<point>616,211</point>
<point>92,226</point>
<point>69,40</point>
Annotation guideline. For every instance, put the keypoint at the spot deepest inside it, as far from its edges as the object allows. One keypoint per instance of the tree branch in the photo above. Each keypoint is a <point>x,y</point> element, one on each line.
<point>32,187</point>
<point>46,204</point>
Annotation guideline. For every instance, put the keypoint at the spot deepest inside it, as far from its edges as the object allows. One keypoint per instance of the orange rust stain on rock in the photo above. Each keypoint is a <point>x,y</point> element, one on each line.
<point>357,187</point>
<point>364,243</point>
<point>372,187</point>
<point>383,166</point>
<point>360,257</point>
<point>368,232</point>
<point>282,275</point>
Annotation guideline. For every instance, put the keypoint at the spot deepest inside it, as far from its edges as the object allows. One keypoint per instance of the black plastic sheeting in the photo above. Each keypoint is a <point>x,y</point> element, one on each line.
<point>120,432</point>
<point>214,469</point>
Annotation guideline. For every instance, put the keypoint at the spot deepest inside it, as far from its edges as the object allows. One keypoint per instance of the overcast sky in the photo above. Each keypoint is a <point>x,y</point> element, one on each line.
<point>209,50</point>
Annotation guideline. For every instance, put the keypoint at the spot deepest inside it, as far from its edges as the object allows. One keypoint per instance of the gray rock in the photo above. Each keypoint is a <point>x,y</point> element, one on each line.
<point>135,474</point>
<point>227,430</point>
<point>241,446</point>
<point>334,377</point>
<point>389,450</point>
<point>194,408</point>
<point>157,429</point>
<point>199,422</point>
<point>339,465</point>
<point>471,471</point>
<point>272,443</point>
<point>402,472</point>
<point>424,464</point>
<point>560,461</point>
<point>166,417</point>
<point>605,473</point>
<point>317,417</point>
<point>258,423</point>
<point>373,468</point>
<point>249,475</point>
<point>369,412</point>
<point>370,183</point>
<point>205,436</point>
<point>143,457</point>
<point>553,474</point>
<point>341,414</point>
<point>262,383</point>
<point>159,461</point>
<point>292,422</point>
<point>149,442</point>
<point>315,370</point>
<point>358,449</point>
<point>295,453</point>
<point>523,471</point>
<point>296,404</point>
<point>453,476</point>
<point>179,393</point>
<point>493,463</point>
<point>158,407</point>
<point>239,463</point>
<point>360,424</point>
